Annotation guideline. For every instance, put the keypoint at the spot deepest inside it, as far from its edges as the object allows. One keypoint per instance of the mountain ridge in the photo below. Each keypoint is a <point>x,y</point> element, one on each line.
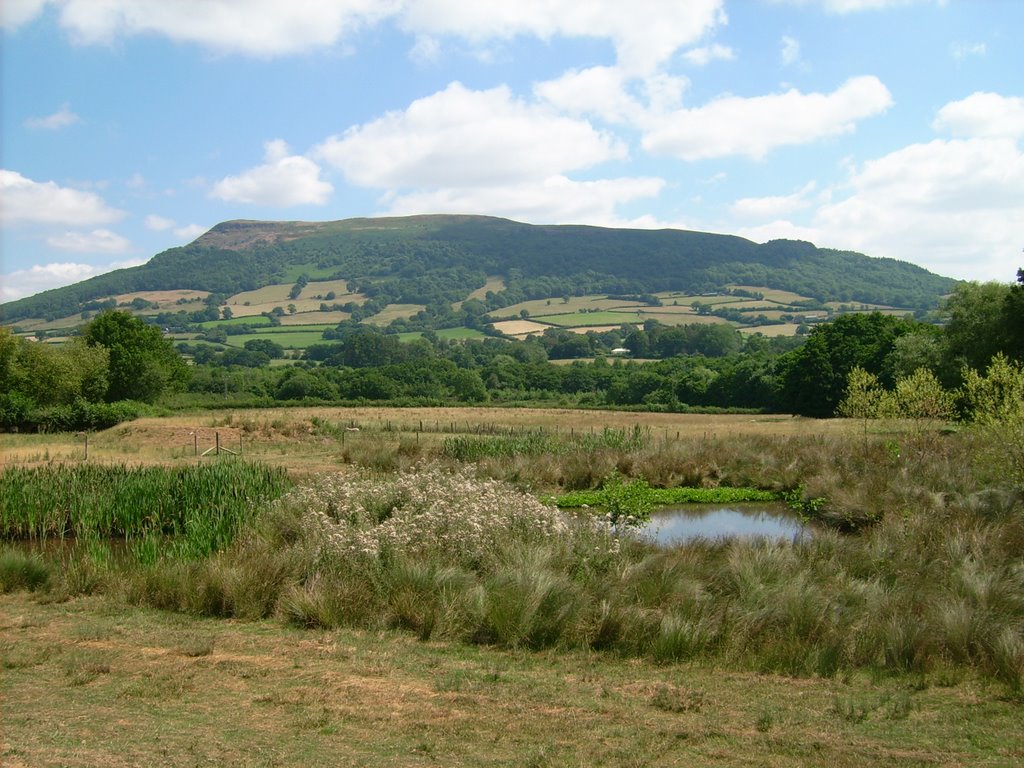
<point>440,258</point>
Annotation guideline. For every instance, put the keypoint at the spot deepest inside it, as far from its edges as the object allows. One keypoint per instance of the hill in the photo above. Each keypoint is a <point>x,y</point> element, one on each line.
<point>435,264</point>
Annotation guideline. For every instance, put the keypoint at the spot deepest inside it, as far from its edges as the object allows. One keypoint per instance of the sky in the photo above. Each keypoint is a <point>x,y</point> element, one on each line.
<point>890,127</point>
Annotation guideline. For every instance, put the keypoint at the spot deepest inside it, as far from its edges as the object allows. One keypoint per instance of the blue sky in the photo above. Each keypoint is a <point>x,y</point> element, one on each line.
<point>891,127</point>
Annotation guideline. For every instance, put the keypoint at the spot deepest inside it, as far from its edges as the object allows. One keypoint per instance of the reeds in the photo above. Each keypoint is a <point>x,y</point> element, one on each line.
<point>200,507</point>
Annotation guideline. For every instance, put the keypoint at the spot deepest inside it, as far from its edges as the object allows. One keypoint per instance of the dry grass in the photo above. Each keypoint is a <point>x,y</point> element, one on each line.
<point>394,312</point>
<point>93,683</point>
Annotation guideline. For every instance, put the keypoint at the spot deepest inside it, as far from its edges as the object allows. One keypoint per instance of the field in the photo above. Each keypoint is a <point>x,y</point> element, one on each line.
<point>94,683</point>
<point>400,607</point>
<point>394,312</point>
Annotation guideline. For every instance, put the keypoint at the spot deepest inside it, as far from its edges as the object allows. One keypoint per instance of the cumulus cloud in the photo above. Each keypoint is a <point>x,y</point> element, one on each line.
<point>14,13</point>
<point>255,27</point>
<point>754,126</point>
<point>644,33</point>
<point>158,223</point>
<point>43,277</point>
<point>760,208</point>
<point>466,138</point>
<point>33,202</point>
<point>953,206</point>
<point>190,232</point>
<point>599,91</point>
<point>555,199</point>
<point>282,181</point>
<point>983,115</point>
<point>62,118</point>
<point>701,57</point>
<point>96,241</point>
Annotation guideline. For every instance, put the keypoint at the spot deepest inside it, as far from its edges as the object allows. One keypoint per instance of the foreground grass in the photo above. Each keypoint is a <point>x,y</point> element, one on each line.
<point>94,682</point>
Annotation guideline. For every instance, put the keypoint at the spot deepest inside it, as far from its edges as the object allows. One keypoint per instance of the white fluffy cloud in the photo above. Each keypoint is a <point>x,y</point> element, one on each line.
<point>645,33</point>
<point>760,208</point>
<point>43,277</point>
<point>158,223</point>
<point>14,13</point>
<point>62,118</point>
<point>953,206</point>
<point>555,199</point>
<point>282,181</point>
<point>983,115</point>
<point>190,232</point>
<point>701,57</point>
<point>254,27</point>
<point>754,126</point>
<point>96,241</point>
<point>464,138</point>
<point>33,202</point>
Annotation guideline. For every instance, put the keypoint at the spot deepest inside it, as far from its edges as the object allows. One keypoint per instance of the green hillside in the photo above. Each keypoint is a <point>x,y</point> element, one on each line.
<point>437,261</point>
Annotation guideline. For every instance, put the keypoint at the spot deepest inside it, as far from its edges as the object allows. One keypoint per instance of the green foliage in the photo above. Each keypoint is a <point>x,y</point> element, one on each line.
<point>440,260</point>
<point>815,376</point>
<point>143,364</point>
<point>205,505</point>
<point>679,495</point>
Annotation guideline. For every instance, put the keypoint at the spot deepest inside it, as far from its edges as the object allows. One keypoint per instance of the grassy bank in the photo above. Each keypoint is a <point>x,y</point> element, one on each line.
<point>92,682</point>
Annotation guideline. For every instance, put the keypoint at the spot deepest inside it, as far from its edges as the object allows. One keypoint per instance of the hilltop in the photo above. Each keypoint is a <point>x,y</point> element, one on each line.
<point>442,271</point>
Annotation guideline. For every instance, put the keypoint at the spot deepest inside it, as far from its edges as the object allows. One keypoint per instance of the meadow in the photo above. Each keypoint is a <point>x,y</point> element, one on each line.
<point>412,575</point>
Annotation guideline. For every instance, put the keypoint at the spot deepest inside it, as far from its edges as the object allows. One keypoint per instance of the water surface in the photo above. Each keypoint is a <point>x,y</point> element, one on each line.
<point>685,522</point>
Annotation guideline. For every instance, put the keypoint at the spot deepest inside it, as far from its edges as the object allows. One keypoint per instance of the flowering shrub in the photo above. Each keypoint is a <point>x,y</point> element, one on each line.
<point>427,511</point>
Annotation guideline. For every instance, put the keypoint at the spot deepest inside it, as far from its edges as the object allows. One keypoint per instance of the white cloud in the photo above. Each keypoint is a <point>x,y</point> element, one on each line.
<point>62,118</point>
<point>953,206</point>
<point>701,57</point>
<point>260,28</point>
<point>465,138</point>
<point>158,223</point>
<point>43,277</point>
<point>32,202</point>
<point>14,13</point>
<point>427,50</point>
<point>790,50</point>
<point>772,207</point>
<point>983,115</point>
<point>961,49</point>
<point>555,199</point>
<point>599,91</point>
<point>645,33</point>
<point>96,241</point>
<point>855,6</point>
<point>190,232</point>
<point>284,180</point>
<point>754,126</point>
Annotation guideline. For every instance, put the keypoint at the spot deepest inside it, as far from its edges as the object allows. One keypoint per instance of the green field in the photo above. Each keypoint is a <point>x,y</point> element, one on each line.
<point>286,337</point>
<point>583,319</point>
<point>446,334</point>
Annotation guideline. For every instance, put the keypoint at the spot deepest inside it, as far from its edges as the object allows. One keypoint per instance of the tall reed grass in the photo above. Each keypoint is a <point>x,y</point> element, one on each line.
<point>201,507</point>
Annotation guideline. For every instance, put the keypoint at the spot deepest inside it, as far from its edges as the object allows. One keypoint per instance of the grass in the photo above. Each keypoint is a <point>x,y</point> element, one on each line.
<point>204,505</point>
<point>270,695</point>
<point>287,337</point>
<point>446,334</point>
<point>849,649</point>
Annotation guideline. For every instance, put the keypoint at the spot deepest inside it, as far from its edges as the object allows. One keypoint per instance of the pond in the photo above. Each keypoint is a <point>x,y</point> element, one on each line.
<point>685,522</point>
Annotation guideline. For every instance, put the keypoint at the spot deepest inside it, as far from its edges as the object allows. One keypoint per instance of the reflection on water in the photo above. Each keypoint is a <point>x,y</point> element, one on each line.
<point>685,522</point>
